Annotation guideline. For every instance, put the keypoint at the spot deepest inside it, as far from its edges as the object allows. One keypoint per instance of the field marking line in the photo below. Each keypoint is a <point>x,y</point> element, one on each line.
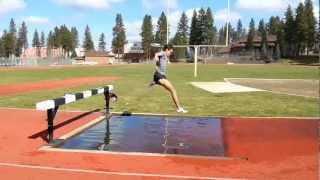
<point>175,115</point>
<point>112,172</point>
<point>271,91</point>
<point>271,79</point>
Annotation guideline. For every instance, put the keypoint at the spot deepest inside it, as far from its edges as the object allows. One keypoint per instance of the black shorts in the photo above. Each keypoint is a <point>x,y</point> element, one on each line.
<point>157,76</point>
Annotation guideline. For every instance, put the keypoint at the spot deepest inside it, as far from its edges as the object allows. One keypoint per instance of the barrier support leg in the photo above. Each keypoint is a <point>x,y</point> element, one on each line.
<point>51,114</point>
<point>107,99</point>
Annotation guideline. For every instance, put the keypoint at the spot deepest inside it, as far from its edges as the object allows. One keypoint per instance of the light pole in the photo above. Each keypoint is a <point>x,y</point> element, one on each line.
<point>167,14</point>
<point>228,21</point>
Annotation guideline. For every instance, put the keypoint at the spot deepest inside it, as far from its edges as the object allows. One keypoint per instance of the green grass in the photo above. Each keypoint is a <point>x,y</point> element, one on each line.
<point>135,95</point>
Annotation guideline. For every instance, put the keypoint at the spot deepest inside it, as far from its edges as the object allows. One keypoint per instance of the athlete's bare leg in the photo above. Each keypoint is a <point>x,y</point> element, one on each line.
<point>168,86</point>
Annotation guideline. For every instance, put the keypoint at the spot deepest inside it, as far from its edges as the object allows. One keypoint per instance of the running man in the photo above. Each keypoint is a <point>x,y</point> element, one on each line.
<point>159,77</point>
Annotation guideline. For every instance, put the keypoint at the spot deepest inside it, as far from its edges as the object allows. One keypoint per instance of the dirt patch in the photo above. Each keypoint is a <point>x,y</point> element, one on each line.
<point>297,87</point>
<point>51,84</point>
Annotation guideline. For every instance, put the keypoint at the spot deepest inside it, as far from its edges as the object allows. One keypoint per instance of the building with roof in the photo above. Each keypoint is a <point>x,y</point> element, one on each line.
<point>97,57</point>
<point>240,48</point>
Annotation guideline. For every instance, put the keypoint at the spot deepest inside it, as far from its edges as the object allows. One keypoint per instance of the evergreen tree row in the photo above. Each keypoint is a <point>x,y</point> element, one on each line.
<point>296,33</point>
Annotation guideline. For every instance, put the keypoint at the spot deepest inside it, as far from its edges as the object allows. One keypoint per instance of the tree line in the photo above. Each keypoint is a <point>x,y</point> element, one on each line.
<point>296,34</point>
<point>12,43</point>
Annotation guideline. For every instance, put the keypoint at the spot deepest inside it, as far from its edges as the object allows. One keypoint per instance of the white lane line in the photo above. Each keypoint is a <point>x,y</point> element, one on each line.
<point>113,173</point>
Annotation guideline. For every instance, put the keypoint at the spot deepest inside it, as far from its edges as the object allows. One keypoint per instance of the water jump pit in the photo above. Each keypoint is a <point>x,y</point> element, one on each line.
<point>148,135</point>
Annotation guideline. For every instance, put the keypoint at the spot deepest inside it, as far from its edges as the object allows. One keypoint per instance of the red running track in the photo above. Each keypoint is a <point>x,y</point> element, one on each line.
<point>276,149</point>
<point>12,89</point>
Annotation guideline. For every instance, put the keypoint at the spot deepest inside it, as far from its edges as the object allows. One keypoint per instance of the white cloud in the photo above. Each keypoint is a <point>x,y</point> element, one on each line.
<point>222,16</point>
<point>7,6</point>
<point>189,12</point>
<point>88,4</point>
<point>133,30</point>
<point>174,18</point>
<point>295,3</point>
<point>316,11</point>
<point>261,5</point>
<point>162,4</point>
<point>315,7</point>
<point>270,5</point>
<point>37,20</point>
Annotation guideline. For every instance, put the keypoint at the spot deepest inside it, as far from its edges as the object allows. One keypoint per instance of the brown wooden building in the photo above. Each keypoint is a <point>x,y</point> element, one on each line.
<point>242,43</point>
<point>239,48</point>
<point>99,57</point>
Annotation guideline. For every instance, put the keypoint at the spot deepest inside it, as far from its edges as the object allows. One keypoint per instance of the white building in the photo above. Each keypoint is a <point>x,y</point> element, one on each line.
<point>133,47</point>
<point>80,52</point>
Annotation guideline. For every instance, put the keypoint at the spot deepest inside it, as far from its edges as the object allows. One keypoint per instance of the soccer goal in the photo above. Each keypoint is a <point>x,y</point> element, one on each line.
<point>196,53</point>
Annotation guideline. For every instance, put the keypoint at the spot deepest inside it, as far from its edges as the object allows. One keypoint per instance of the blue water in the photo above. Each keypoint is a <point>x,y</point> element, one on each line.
<point>152,134</point>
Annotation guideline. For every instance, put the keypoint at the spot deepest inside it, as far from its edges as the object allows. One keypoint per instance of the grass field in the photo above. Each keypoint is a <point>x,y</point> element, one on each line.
<point>135,95</point>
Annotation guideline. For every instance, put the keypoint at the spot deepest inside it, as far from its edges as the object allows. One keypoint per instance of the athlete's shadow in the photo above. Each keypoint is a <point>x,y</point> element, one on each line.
<point>44,133</point>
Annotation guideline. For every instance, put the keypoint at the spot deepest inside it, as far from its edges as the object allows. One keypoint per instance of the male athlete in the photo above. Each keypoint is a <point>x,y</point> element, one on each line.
<point>159,77</point>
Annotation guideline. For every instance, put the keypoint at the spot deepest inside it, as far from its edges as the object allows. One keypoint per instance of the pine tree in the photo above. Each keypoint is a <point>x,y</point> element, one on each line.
<point>36,40</point>
<point>50,40</point>
<point>275,27</point>
<point>7,43</point>
<point>147,35</point>
<point>239,31</point>
<point>181,36</point>
<point>202,26</point>
<point>222,35</point>
<point>194,31</point>
<point>88,43</point>
<point>311,22</point>
<point>244,33</point>
<point>102,43</point>
<point>289,32</point>
<point>277,54</point>
<point>1,48</point>
<point>22,41</point>
<point>11,39</point>
<point>66,40</point>
<point>263,35</point>
<point>42,40</point>
<point>183,28</point>
<point>261,28</point>
<point>318,36</point>
<point>232,33</point>
<point>161,33</point>
<point>119,36</point>
<point>75,37</point>
<point>50,43</point>
<point>251,34</point>
<point>56,37</point>
<point>210,28</point>
<point>301,29</point>
<point>24,35</point>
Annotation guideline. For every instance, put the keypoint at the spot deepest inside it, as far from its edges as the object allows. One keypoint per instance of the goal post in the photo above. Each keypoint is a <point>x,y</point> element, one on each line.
<point>196,47</point>
<point>195,54</point>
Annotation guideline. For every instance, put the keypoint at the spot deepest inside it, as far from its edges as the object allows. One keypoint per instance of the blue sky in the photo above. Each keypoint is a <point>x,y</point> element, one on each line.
<point>44,15</point>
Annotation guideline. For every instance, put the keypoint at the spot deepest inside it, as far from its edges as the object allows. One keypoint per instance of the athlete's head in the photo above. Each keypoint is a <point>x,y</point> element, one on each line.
<point>168,49</point>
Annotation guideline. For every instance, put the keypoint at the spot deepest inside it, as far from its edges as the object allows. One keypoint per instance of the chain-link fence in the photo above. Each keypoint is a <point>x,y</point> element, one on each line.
<point>10,62</point>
